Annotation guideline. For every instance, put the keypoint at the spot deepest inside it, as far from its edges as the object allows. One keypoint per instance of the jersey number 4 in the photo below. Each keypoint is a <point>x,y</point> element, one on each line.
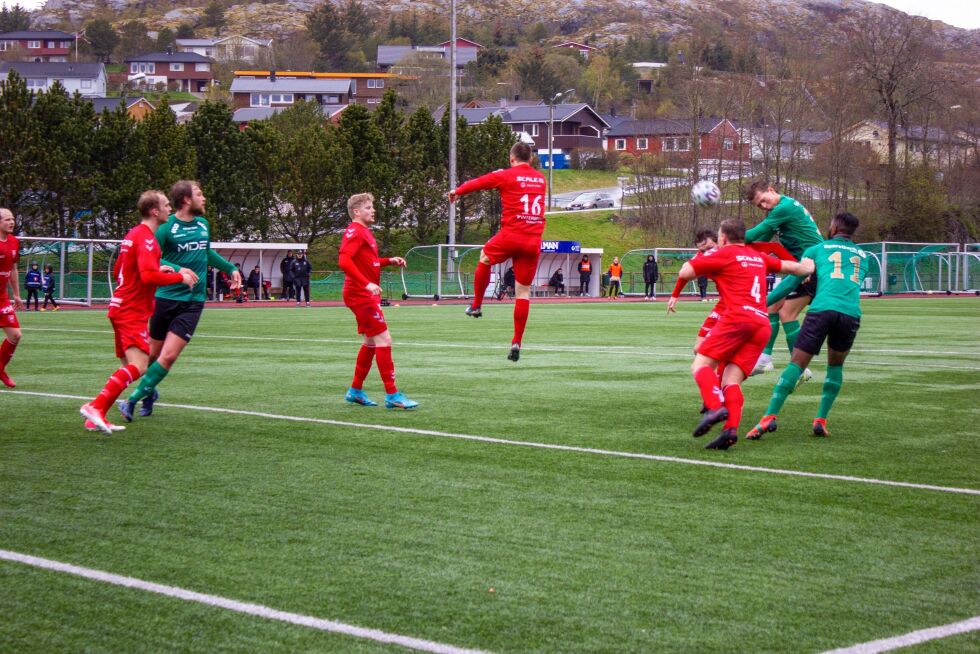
<point>533,208</point>
<point>756,291</point>
<point>837,261</point>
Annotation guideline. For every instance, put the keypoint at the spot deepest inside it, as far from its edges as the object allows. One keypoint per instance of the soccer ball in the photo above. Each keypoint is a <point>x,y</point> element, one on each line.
<point>705,194</point>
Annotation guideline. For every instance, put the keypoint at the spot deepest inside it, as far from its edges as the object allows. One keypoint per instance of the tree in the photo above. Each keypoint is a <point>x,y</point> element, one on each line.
<point>425,181</point>
<point>18,138</point>
<point>389,169</point>
<point>603,82</point>
<point>214,16</point>
<point>185,31</point>
<point>162,144</point>
<point>15,19</point>
<point>133,40</point>
<point>103,39</point>
<point>166,39</point>
<point>295,51</point>
<point>543,74</point>
<point>340,33</point>
<point>119,172</point>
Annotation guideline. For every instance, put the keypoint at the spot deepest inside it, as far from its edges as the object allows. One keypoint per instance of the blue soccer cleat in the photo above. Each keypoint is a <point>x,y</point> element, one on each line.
<point>399,401</point>
<point>126,408</point>
<point>358,396</point>
<point>148,401</point>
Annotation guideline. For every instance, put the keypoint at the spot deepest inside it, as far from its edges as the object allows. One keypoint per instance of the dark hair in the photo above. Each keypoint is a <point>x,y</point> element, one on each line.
<point>521,151</point>
<point>846,223</point>
<point>181,191</point>
<point>733,229</point>
<point>758,186</point>
<point>149,200</point>
<point>48,268</point>
<point>705,233</point>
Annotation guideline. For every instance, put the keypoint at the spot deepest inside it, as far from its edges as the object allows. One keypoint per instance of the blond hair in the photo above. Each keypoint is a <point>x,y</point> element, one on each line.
<point>358,200</point>
<point>149,201</point>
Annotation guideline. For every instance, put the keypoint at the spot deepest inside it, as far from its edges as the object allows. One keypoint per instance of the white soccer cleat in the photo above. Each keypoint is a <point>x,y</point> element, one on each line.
<point>763,365</point>
<point>90,426</point>
<point>92,415</point>
<point>805,377</point>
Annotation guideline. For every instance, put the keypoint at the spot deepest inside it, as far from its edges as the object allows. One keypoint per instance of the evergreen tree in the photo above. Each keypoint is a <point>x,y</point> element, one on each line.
<point>119,175</point>
<point>166,39</point>
<point>15,19</point>
<point>162,144</point>
<point>19,134</point>
<point>425,181</point>
<point>185,31</point>
<point>389,170</point>
<point>102,38</point>
<point>133,40</point>
<point>214,16</point>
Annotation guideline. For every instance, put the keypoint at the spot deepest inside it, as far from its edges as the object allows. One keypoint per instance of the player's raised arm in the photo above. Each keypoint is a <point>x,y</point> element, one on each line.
<point>685,275</point>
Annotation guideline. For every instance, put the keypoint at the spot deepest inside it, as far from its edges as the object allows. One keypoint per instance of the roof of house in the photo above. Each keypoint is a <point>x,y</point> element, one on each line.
<point>59,69</point>
<point>248,114</point>
<point>174,57</point>
<point>613,120</point>
<point>389,55</point>
<point>37,34</point>
<point>311,74</point>
<point>533,114</point>
<point>662,127</point>
<point>472,44</point>
<point>203,43</point>
<point>290,85</point>
<point>111,104</point>
<point>504,103</point>
<point>575,44</point>
<point>920,133</point>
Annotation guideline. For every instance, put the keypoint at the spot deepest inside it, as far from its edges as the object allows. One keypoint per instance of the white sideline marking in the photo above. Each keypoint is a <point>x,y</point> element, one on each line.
<point>912,638</point>
<point>543,446</point>
<point>234,605</point>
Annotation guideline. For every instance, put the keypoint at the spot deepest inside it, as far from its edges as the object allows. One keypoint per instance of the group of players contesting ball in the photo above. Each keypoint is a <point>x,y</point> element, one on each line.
<point>162,263</point>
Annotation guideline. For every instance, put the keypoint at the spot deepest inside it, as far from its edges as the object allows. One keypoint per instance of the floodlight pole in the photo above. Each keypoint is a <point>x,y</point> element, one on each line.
<point>551,142</point>
<point>452,125</point>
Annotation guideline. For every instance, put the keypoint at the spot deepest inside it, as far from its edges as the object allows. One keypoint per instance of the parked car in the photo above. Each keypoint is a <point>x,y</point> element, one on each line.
<point>591,200</point>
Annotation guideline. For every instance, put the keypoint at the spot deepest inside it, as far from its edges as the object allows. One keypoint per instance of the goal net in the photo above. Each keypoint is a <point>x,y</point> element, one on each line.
<point>439,271</point>
<point>82,268</point>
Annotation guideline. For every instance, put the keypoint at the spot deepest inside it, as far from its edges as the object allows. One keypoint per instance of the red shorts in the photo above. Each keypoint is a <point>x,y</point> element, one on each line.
<point>709,323</point>
<point>737,340</point>
<point>370,319</point>
<point>8,317</point>
<point>130,333</point>
<point>523,250</point>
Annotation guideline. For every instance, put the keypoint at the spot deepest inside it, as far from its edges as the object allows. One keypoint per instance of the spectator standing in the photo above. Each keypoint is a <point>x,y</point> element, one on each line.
<point>615,278</point>
<point>651,273</point>
<point>584,275</point>
<point>255,281</point>
<point>703,288</point>
<point>240,293</point>
<point>33,283</point>
<point>557,282</point>
<point>286,268</point>
<point>47,283</point>
<point>301,270</point>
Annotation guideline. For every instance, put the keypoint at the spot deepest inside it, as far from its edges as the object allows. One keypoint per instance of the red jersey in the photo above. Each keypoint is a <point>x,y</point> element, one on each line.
<point>740,275</point>
<point>137,273</point>
<point>9,253</point>
<point>522,196</point>
<point>361,265</point>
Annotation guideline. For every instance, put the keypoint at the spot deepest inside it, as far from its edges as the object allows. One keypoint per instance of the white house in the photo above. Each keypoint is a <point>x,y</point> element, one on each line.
<point>228,48</point>
<point>88,79</point>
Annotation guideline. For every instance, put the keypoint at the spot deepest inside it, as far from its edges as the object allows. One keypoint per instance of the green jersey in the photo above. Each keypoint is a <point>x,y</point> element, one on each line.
<point>188,245</point>
<point>841,269</point>
<point>792,223</point>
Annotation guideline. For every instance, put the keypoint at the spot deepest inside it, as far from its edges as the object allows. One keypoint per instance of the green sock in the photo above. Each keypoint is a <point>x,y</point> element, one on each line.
<point>148,382</point>
<point>774,323</point>
<point>831,387</point>
<point>785,386</point>
<point>792,330</point>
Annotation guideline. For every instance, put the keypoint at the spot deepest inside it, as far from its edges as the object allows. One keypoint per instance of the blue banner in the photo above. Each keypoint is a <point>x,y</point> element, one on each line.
<point>561,247</point>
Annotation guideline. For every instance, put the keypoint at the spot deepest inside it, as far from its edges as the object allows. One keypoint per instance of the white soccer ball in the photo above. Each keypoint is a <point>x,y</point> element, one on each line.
<point>705,194</point>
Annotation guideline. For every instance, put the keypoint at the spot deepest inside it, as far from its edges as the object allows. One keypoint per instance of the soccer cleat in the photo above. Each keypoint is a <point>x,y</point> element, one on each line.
<point>515,352</point>
<point>767,424</point>
<point>399,401</point>
<point>704,409</point>
<point>725,440</point>
<point>820,427</point>
<point>90,426</point>
<point>94,416</point>
<point>126,408</point>
<point>358,396</point>
<point>805,377</point>
<point>710,419</point>
<point>42,309</point>
<point>6,380</point>
<point>148,401</point>
<point>474,313</point>
<point>763,365</point>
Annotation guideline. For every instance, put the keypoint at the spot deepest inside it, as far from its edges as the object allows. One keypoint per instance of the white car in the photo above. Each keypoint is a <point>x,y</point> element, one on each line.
<point>591,200</point>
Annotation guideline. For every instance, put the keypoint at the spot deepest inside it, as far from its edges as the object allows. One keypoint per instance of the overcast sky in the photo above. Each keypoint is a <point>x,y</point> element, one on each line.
<point>962,13</point>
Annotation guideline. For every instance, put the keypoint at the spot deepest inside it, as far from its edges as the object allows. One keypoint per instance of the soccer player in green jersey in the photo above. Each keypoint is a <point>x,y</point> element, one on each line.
<point>185,242</point>
<point>834,316</point>
<point>796,229</point>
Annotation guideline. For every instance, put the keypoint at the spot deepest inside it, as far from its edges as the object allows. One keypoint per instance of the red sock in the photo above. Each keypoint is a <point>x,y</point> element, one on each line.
<point>734,401</point>
<point>521,308</point>
<point>363,366</point>
<point>707,381</point>
<point>6,351</point>
<point>720,370</point>
<point>117,384</point>
<point>387,368</point>
<point>481,280</point>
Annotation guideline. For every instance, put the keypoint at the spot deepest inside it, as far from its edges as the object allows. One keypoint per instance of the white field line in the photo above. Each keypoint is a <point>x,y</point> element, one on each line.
<point>543,446</point>
<point>602,349</point>
<point>912,638</point>
<point>234,605</point>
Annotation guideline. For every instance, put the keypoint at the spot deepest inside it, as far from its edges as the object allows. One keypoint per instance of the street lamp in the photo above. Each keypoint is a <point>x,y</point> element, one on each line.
<point>551,141</point>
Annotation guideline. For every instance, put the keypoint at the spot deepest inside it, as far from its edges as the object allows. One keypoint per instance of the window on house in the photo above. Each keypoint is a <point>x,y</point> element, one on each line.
<point>669,144</point>
<point>208,52</point>
<point>875,134</point>
<point>175,67</point>
<point>34,45</point>
<point>52,44</point>
<point>259,100</point>
<point>375,83</point>
<point>530,128</point>
<point>36,84</point>
<point>683,145</point>
<point>6,45</point>
<point>620,144</point>
<point>641,144</point>
<point>332,99</point>
<point>86,84</point>
<point>66,44</point>
<point>202,68</point>
<point>374,100</point>
<point>729,144</point>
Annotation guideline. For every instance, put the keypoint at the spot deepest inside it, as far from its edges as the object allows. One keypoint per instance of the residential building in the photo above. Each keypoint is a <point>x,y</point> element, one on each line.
<point>87,79</point>
<point>393,55</point>
<point>245,115</point>
<point>673,139</point>
<point>180,71</point>
<point>583,49</point>
<point>278,91</point>
<point>912,141</point>
<point>229,48</point>
<point>365,88</point>
<point>799,144</point>
<point>137,108</point>
<point>39,45</point>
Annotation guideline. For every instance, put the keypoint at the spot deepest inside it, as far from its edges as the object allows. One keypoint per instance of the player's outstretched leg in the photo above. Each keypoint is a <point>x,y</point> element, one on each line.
<point>7,348</point>
<point>522,307</point>
<point>784,386</point>
<point>146,389</point>
<point>831,388</point>
<point>707,381</point>
<point>765,359</point>
<point>114,386</point>
<point>734,401</point>
<point>393,398</point>
<point>355,394</point>
<point>481,280</point>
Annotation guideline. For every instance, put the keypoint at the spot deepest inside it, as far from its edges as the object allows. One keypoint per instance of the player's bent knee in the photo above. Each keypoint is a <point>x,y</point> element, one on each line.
<point>522,291</point>
<point>13,335</point>
<point>484,259</point>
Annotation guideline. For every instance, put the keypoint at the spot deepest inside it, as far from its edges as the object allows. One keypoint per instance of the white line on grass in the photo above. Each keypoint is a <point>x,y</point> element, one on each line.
<point>234,605</point>
<point>912,638</point>
<point>544,446</point>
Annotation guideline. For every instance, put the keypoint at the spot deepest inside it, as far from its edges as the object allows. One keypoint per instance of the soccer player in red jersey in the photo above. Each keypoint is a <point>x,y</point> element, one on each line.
<point>522,190</point>
<point>138,273</point>
<point>9,253</point>
<point>362,294</point>
<point>741,332</point>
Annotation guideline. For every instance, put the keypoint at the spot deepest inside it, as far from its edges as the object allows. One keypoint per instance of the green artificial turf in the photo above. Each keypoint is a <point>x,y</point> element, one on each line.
<point>409,532</point>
